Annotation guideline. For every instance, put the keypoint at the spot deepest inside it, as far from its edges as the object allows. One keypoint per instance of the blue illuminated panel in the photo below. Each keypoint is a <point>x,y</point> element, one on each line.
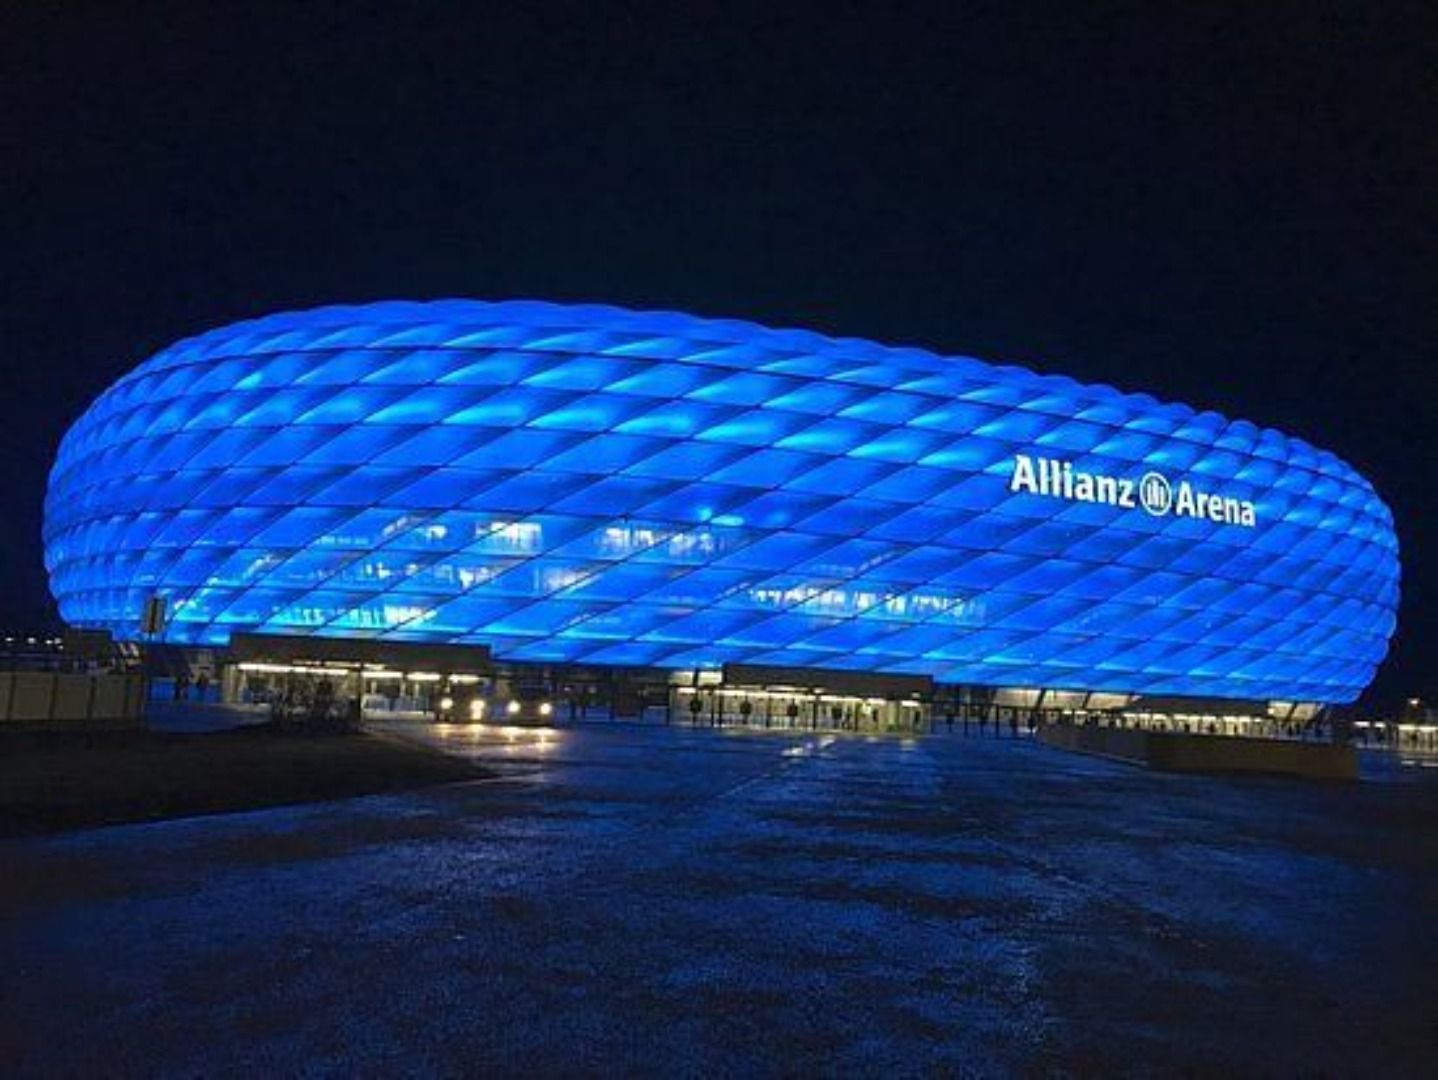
<point>587,484</point>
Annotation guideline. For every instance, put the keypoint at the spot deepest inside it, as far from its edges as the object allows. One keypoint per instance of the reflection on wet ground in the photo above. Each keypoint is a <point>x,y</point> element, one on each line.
<point>660,901</point>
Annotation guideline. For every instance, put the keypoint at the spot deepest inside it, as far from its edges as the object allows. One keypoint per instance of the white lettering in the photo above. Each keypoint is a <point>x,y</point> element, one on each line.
<point>1023,478</point>
<point>1151,492</point>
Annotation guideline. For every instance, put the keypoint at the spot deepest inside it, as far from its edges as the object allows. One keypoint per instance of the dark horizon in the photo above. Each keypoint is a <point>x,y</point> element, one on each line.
<point>1224,210</point>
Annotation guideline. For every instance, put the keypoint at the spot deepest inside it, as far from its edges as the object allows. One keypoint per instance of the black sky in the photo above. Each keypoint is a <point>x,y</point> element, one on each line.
<point>1223,204</point>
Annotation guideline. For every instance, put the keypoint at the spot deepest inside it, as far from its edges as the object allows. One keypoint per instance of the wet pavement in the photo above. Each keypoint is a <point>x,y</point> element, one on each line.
<point>682,902</point>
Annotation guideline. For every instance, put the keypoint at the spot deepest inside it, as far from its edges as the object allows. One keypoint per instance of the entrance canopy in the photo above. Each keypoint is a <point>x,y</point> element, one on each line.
<point>864,683</point>
<point>291,649</point>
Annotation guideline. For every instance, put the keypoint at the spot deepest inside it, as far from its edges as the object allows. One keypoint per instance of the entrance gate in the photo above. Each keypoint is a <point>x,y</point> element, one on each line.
<point>805,699</point>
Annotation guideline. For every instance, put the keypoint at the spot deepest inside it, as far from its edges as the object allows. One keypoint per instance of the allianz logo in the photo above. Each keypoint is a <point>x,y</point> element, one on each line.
<point>1152,491</point>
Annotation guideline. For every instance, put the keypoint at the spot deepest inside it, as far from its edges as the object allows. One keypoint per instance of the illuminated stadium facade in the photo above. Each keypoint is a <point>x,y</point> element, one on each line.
<point>584,485</point>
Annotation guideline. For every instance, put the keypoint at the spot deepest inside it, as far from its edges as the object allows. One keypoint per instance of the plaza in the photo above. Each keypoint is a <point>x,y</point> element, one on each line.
<point>668,900</point>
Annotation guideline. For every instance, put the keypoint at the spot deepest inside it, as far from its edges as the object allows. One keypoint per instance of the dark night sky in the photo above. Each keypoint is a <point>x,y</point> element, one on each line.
<point>1222,204</point>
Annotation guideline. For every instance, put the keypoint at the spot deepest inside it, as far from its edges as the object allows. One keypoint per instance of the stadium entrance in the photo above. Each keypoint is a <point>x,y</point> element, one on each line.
<point>804,699</point>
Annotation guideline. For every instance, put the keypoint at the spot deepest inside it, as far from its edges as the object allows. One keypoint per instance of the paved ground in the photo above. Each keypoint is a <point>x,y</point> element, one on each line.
<point>693,902</point>
<point>192,717</point>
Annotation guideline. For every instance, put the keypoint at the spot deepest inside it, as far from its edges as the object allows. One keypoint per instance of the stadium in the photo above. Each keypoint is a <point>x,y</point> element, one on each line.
<point>641,503</point>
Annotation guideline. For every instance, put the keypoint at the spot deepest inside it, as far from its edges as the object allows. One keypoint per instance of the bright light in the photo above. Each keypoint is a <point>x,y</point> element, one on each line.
<point>545,708</point>
<point>291,669</point>
<point>512,708</point>
<point>446,703</point>
<point>476,709</point>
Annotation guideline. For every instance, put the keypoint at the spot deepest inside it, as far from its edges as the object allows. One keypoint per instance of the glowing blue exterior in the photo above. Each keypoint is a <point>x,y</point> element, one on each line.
<point>588,484</point>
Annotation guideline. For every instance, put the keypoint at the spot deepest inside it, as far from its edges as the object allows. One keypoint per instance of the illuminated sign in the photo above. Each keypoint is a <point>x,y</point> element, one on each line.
<point>1153,492</point>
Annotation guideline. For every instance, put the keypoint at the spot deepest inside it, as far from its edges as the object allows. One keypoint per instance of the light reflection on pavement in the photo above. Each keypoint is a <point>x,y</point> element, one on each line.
<point>658,901</point>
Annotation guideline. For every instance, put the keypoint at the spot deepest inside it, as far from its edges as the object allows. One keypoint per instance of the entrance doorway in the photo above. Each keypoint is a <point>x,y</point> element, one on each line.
<point>803,699</point>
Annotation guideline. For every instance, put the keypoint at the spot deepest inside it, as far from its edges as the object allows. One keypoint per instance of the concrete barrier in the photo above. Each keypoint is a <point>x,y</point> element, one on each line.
<point>1175,752</point>
<point>42,698</point>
